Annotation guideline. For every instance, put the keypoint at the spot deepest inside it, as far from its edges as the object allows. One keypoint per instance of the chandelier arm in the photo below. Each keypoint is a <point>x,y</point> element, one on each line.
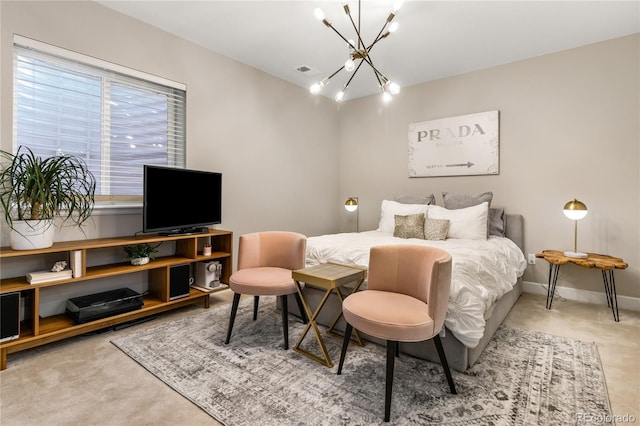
<point>375,70</point>
<point>378,75</point>
<point>356,28</point>
<point>376,42</point>
<point>336,72</point>
<point>378,38</point>
<point>330,25</point>
<point>359,22</point>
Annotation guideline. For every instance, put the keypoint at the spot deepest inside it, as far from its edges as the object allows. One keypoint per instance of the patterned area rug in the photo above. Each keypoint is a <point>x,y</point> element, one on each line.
<point>522,378</point>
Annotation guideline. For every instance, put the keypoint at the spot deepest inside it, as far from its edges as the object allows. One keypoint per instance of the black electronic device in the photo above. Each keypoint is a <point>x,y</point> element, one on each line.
<point>102,305</point>
<point>179,281</point>
<point>9,316</point>
<point>180,201</point>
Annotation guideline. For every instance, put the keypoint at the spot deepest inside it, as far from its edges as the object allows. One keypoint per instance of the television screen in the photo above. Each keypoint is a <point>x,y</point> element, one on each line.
<point>180,201</point>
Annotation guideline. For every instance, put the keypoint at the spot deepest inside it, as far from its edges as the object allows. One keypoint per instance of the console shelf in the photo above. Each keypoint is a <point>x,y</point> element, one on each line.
<point>36,330</point>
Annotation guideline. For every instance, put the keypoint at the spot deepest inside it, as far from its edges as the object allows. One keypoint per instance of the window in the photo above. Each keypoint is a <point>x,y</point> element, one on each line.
<point>115,118</point>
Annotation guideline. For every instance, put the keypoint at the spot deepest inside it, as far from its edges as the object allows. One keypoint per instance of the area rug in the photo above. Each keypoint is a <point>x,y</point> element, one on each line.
<point>522,378</point>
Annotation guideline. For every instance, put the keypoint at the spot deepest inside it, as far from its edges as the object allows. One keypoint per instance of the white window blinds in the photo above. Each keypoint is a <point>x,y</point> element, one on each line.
<point>115,118</point>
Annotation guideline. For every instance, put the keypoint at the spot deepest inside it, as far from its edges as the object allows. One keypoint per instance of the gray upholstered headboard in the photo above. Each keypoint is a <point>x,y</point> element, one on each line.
<point>515,229</point>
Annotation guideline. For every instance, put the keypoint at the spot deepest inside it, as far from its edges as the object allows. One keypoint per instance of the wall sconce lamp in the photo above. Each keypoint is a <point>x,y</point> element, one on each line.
<point>351,205</point>
<point>575,210</point>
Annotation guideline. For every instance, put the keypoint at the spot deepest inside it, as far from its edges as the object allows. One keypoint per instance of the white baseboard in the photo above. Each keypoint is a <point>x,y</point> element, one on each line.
<point>586,296</point>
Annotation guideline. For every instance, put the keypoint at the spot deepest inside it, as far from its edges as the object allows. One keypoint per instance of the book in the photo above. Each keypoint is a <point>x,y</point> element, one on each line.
<point>75,260</point>
<point>38,277</point>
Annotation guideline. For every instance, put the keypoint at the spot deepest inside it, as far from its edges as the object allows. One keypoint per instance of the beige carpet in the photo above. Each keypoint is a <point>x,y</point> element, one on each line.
<point>87,380</point>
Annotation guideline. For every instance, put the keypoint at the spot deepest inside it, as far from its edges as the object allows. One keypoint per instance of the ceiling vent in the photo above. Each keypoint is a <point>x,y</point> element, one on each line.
<point>307,70</point>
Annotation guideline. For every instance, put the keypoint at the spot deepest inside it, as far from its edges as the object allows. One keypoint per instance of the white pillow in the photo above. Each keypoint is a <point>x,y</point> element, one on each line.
<point>469,223</point>
<point>390,209</point>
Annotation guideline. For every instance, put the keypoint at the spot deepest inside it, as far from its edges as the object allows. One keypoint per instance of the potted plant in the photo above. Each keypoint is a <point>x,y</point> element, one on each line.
<point>140,254</point>
<point>35,191</point>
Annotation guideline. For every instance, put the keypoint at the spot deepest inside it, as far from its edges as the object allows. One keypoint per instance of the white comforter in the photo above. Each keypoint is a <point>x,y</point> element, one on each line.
<point>482,271</point>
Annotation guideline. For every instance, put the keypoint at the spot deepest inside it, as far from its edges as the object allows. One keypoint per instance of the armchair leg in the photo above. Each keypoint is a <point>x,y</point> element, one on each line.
<point>256,301</point>
<point>234,310</point>
<point>392,347</point>
<point>285,320</point>
<point>345,345</point>
<point>445,365</point>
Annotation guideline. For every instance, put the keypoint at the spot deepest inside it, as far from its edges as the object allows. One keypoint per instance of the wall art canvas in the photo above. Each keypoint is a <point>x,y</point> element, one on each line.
<point>455,146</point>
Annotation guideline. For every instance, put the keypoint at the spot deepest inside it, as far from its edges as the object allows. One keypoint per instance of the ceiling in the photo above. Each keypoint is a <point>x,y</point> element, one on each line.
<point>436,39</point>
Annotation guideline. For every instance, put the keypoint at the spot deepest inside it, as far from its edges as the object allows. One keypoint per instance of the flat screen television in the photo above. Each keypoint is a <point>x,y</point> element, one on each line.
<point>180,201</point>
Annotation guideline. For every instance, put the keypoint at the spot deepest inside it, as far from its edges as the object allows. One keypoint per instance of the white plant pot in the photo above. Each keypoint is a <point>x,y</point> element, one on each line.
<point>140,261</point>
<point>32,234</point>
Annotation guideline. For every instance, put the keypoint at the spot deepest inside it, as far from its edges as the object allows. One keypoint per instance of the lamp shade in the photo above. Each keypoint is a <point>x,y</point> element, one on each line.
<point>351,204</point>
<point>575,209</point>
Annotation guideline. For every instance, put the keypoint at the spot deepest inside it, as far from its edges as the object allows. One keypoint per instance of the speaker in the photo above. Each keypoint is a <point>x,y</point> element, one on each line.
<point>9,316</point>
<point>179,281</point>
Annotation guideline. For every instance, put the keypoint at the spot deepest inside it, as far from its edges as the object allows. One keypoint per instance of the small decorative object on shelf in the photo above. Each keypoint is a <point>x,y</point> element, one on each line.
<point>140,254</point>
<point>206,250</point>
<point>59,266</point>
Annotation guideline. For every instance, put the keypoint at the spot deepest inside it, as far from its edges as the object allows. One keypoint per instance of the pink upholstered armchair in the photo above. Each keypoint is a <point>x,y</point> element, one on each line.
<point>265,262</point>
<point>405,301</point>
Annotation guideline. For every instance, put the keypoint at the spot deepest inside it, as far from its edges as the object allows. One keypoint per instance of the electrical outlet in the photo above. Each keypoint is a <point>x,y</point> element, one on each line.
<point>531,258</point>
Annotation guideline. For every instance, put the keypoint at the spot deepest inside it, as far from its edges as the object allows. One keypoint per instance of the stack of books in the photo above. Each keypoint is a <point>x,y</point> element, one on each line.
<point>38,277</point>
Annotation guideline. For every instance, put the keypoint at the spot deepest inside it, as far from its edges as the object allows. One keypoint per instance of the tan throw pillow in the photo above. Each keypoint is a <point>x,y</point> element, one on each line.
<point>436,229</point>
<point>410,226</point>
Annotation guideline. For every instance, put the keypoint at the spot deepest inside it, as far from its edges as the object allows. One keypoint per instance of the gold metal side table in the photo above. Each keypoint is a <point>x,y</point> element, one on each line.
<point>329,277</point>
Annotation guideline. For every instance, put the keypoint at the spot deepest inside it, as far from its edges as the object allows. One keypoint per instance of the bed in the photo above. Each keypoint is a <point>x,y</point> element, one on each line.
<point>487,268</point>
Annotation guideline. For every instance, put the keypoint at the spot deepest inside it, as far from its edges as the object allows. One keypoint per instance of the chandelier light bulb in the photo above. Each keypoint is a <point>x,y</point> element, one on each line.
<point>318,13</point>
<point>315,88</point>
<point>397,5</point>
<point>340,96</point>
<point>349,65</point>
<point>394,27</point>
<point>394,88</point>
<point>387,98</point>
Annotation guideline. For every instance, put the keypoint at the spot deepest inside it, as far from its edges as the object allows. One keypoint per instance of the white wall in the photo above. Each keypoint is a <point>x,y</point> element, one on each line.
<point>569,127</point>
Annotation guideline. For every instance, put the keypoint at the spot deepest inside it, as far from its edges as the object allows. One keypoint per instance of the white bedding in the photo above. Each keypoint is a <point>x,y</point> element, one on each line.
<point>482,271</point>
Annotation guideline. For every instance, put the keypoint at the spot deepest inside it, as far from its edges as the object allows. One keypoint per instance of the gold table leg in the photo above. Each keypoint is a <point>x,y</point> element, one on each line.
<point>326,361</point>
<point>355,334</point>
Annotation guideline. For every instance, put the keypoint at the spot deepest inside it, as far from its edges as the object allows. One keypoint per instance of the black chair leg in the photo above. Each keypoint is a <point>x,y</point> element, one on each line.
<point>256,301</point>
<point>392,347</point>
<point>303,312</point>
<point>443,361</point>
<point>234,310</point>
<point>285,320</point>
<point>345,344</point>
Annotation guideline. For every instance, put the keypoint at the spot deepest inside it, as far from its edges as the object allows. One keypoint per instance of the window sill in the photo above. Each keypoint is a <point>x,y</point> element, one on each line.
<point>116,208</point>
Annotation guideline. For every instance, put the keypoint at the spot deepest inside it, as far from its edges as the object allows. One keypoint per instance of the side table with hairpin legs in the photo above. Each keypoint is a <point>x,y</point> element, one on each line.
<point>607,264</point>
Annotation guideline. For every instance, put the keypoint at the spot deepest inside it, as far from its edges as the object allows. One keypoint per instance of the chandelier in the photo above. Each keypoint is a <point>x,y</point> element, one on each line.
<point>361,53</point>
